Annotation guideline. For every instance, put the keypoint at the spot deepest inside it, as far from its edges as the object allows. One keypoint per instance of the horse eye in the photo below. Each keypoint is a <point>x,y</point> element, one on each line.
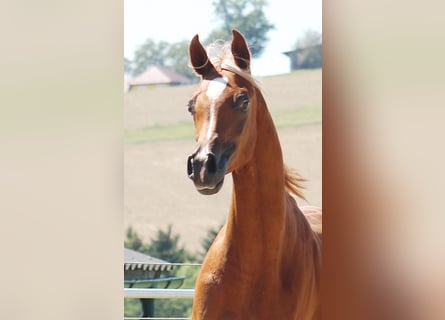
<point>242,101</point>
<point>191,106</point>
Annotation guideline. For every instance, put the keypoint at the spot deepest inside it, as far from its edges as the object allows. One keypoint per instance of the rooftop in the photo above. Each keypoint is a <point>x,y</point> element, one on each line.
<point>134,260</point>
<point>159,75</point>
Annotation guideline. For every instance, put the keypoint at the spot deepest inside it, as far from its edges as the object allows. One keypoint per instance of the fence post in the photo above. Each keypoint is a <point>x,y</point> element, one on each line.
<point>148,308</point>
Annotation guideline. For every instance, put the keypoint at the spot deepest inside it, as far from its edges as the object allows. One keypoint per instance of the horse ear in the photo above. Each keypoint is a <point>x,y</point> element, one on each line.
<point>199,59</point>
<point>240,50</point>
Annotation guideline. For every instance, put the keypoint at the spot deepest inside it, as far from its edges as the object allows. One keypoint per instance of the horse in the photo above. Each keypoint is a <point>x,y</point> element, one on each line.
<point>265,262</point>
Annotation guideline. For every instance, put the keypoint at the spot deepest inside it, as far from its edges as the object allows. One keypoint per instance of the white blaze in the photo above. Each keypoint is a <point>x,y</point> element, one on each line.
<point>214,90</point>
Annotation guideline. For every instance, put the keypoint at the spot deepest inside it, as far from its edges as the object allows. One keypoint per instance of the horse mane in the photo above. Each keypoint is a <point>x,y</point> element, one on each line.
<point>293,182</point>
<point>220,55</point>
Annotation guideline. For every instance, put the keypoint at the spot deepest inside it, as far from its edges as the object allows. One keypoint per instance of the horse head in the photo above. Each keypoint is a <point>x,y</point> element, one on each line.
<point>223,110</point>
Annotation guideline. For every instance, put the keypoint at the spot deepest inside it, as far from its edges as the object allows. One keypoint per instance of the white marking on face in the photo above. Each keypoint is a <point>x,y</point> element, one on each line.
<point>214,90</point>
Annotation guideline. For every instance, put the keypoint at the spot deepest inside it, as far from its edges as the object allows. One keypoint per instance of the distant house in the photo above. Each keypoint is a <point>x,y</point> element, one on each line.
<point>156,76</point>
<point>305,58</point>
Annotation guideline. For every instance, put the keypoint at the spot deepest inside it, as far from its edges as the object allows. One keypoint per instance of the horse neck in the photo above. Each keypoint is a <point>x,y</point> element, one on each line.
<point>258,200</point>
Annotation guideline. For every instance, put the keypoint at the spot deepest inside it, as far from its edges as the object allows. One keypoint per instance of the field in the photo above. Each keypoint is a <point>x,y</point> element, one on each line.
<point>159,138</point>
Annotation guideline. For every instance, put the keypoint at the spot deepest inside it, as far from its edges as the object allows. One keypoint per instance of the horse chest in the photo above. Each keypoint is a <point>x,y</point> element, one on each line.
<point>226,293</point>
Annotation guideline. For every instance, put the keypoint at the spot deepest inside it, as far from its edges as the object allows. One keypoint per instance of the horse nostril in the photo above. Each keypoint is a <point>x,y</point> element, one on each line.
<point>211,163</point>
<point>190,167</point>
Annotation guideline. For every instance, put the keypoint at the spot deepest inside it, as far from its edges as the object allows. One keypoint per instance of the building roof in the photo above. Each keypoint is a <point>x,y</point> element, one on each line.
<point>159,75</point>
<point>135,260</point>
<point>127,82</point>
<point>295,51</point>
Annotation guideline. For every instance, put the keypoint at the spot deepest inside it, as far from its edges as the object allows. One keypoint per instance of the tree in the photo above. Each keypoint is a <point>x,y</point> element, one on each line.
<point>174,56</point>
<point>248,17</point>
<point>245,15</point>
<point>178,59</point>
<point>166,247</point>
<point>149,53</point>
<point>310,38</point>
<point>134,242</point>
<point>308,50</point>
<point>127,66</point>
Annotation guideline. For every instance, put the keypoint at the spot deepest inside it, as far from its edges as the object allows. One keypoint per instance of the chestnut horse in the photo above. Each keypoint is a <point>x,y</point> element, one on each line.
<point>265,262</point>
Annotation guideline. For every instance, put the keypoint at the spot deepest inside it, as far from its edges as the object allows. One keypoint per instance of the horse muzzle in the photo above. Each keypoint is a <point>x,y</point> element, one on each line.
<point>207,171</point>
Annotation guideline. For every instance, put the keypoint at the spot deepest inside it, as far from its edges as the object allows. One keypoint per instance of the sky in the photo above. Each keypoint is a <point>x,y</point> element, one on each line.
<point>176,20</point>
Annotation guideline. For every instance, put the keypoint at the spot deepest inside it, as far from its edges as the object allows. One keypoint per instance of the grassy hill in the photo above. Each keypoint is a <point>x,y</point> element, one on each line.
<point>160,113</point>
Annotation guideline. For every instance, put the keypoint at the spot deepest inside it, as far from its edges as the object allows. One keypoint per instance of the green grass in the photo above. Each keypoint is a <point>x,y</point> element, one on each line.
<point>290,118</point>
<point>298,117</point>
<point>177,131</point>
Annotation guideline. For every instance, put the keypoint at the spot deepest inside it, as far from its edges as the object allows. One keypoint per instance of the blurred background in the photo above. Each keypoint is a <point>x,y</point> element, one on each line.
<point>61,162</point>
